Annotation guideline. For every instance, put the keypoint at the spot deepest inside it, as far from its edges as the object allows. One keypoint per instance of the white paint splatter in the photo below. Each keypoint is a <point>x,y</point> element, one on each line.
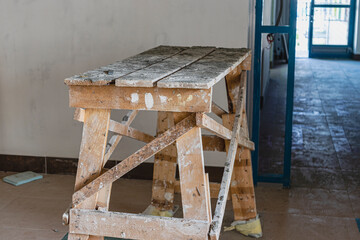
<point>168,196</point>
<point>134,97</point>
<point>190,97</point>
<point>149,101</point>
<point>163,99</point>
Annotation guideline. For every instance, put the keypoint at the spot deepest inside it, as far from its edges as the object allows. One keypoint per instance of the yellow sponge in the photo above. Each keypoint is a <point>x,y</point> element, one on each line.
<point>154,211</point>
<point>250,228</point>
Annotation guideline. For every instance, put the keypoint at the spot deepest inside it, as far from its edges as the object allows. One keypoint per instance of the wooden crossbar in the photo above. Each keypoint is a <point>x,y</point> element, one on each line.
<point>114,140</point>
<point>229,164</point>
<point>135,159</point>
<point>122,128</point>
<point>136,226</point>
<point>204,121</point>
<point>219,111</point>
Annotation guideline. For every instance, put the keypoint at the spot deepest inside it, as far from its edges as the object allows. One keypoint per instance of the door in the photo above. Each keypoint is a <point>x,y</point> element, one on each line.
<point>331,28</point>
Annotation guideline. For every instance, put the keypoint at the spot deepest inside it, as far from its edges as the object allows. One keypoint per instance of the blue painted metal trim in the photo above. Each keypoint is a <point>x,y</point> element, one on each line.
<point>275,29</point>
<point>358,223</point>
<point>290,95</point>
<point>291,30</point>
<point>346,53</point>
<point>332,5</point>
<point>271,178</point>
<point>257,87</point>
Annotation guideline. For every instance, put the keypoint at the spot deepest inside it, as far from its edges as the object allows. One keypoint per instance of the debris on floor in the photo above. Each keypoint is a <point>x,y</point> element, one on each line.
<point>22,178</point>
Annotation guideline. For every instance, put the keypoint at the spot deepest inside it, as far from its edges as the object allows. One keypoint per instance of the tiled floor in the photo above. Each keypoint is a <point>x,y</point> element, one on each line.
<point>321,205</point>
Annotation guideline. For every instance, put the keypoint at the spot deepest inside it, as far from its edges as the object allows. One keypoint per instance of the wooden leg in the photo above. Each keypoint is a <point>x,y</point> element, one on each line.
<point>193,181</point>
<point>164,168</point>
<point>91,157</point>
<point>242,186</point>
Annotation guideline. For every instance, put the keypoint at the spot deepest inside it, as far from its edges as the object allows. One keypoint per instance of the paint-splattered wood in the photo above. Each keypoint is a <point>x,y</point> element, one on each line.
<point>164,168</point>
<point>242,187</point>
<point>107,74</point>
<point>115,139</point>
<point>147,77</point>
<point>122,129</point>
<point>156,99</point>
<point>136,226</point>
<point>194,194</point>
<point>204,121</point>
<point>217,110</point>
<point>91,155</point>
<point>134,160</point>
<point>213,143</point>
<point>229,165</point>
<point>206,72</point>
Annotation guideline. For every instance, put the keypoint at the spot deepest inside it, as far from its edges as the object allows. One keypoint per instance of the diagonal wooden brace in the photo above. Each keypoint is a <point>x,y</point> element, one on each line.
<point>229,164</point>
<point>135,159</point>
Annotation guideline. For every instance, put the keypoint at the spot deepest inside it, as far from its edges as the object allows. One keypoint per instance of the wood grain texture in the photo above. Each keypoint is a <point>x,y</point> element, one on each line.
<point>194,194</point>
<point>164,168</point>
<point>155,99</point>
<point>92,151</point>
<point>217,109</point>
<point>210,124</point>
<point>229,164</point>
<point>134,160</point>
<point>115,139</point>
<point>106,75</point>
<point>206,72</point>
<point>136,226</point>
<point>147,77</point>
<point>242,186</point>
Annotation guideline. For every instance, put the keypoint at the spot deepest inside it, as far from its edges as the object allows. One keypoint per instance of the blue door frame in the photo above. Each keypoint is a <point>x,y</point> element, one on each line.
<point>332,51</point>
<point>291,31</point>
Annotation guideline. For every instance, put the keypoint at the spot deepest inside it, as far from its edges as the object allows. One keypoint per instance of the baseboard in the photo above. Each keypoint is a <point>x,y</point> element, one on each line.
<point>68,166</point>
<point>356,57</point>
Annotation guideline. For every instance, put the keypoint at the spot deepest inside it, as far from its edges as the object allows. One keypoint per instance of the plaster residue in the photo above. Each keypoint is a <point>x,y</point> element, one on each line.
<point>134,97</point>
<point>149,101</point>
<point>163,99</point>
<point>168,196</point>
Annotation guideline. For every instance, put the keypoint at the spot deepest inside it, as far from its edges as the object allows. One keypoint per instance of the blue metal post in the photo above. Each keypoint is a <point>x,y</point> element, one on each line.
<point>257,87</point>
<point>290,95</point>
<point>259,30</point>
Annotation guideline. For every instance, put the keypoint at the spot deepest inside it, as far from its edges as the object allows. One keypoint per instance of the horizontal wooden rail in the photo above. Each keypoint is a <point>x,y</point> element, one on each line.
<point>204,121</point>
<point>135,226</point>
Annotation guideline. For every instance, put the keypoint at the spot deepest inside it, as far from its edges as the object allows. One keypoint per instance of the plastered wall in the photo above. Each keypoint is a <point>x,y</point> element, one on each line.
<point>44,41</point>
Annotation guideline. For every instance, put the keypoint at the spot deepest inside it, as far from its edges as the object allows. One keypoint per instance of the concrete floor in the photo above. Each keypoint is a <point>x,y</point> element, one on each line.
<point>322,203</point>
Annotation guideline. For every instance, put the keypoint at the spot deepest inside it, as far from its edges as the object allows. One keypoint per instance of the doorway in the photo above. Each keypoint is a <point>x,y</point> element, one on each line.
<point>325,28</point>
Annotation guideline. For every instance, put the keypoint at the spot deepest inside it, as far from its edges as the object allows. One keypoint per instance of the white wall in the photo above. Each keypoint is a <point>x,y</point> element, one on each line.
<point>44,41</point>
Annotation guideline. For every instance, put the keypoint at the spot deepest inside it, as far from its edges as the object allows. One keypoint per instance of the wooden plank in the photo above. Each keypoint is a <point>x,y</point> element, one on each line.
<point>242,186</point>
<point>194,195</point>
<point>217,110</point>
<point>115,139</point>
<point>122,129</point>
<point>156,99</point>
<point>135,159</point>
<point>214,189</point>
<point>164,168</point>
<point>229,165</point>
<point>232,81</point>
<point>136,226</point>
<point>210,124</point>
<point>91,157</point>
<point>130,132</point>
<point>206,72</point>
<point>213,143</point>
<point>106,75</point>
<point>147,77</point>
<point>246,64</point>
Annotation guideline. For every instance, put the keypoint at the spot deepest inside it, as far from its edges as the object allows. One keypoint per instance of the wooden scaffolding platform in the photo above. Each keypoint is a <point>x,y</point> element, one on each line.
<point>176,82</point>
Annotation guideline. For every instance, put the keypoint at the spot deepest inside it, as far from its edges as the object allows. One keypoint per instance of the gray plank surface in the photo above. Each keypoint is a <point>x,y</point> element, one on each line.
<point>206,72</point>
<point>107,74</point>
<point>147,77</point>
